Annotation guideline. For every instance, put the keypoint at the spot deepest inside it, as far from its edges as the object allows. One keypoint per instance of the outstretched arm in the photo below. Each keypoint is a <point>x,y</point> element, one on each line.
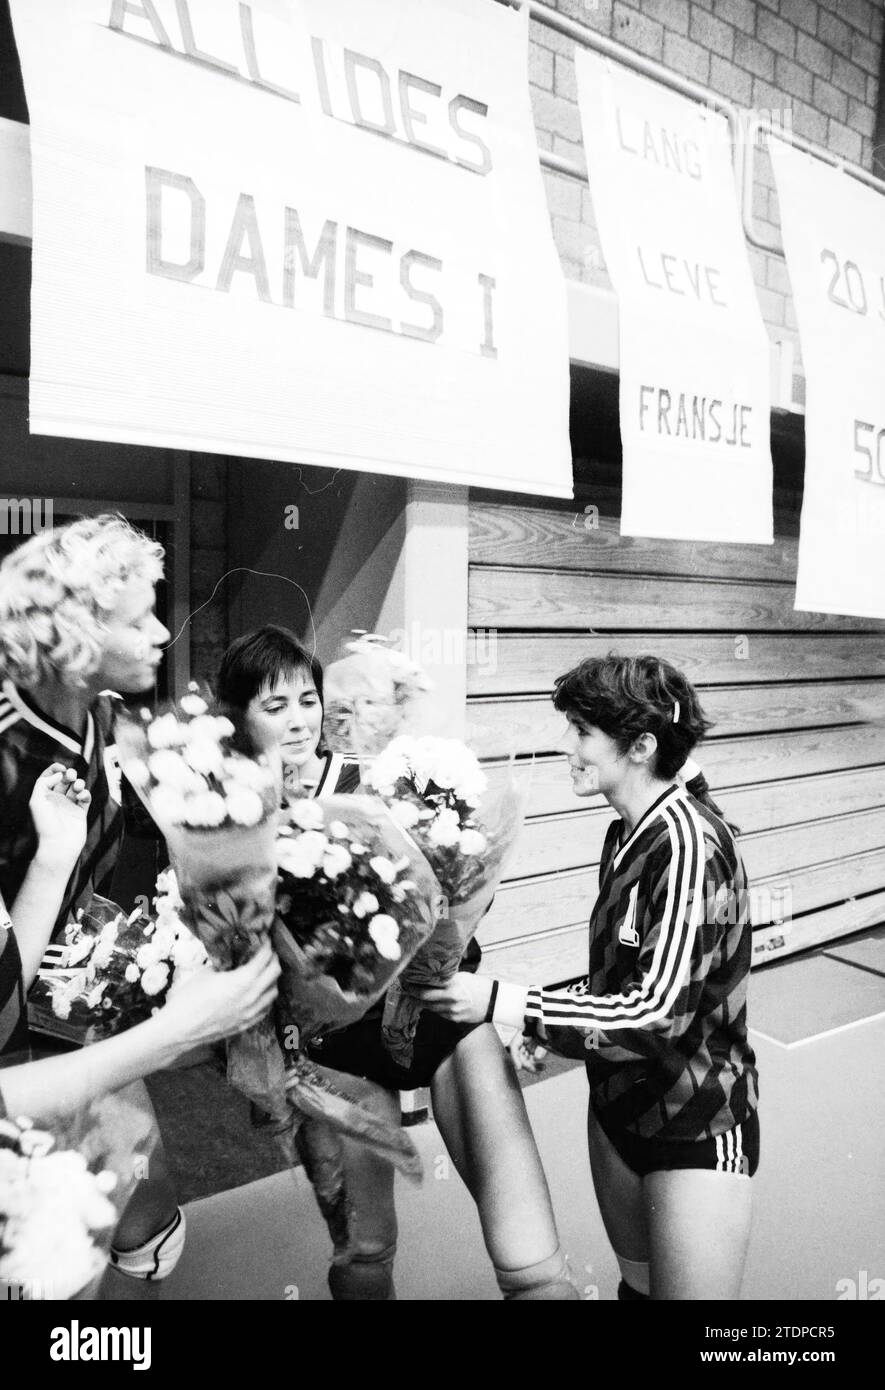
<point>207,1006</point>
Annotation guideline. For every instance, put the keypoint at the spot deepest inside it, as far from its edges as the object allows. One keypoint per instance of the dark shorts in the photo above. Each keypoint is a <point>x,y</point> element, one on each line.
<point>359,1050</point>
<point>736,1151</point>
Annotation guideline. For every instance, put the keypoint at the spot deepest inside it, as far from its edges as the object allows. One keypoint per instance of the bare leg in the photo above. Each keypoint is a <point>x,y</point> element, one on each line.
<point>619,1194</point>
<point>478,1105</point>
<point>699,1229</point>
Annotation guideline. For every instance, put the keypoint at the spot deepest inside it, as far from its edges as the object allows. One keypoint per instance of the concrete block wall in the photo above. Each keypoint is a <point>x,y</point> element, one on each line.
<point>813,64</point>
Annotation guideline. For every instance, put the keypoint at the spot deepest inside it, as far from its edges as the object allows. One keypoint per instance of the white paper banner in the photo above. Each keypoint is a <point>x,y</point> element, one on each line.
<point>311,230</point>
<point>834,237</point>
<point>694,355</point>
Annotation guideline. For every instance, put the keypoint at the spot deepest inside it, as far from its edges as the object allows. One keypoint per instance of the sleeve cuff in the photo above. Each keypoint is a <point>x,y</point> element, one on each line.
<point>510,1005</point>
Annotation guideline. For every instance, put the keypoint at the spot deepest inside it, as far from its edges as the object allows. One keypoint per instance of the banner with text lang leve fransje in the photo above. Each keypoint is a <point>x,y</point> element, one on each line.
<point>694,355</point>
<point>309,230</point>
<point>834,239</point>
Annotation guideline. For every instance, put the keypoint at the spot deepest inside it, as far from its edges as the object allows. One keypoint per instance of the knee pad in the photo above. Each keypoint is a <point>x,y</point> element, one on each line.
<point>364,1277</point>
<point>547,1281</point>
<point>634,1279</point>
<point>157,1258</point>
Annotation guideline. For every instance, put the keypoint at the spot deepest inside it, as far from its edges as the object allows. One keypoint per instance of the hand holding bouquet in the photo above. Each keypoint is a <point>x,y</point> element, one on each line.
<point>436,789</point>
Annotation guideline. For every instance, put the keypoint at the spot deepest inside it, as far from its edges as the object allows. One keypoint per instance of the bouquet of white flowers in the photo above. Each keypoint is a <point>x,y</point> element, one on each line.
<point>62,1193</point>
<point>112,971</point>
<point>217,809</point>
<point>437,791</point>
<point>356,900</point>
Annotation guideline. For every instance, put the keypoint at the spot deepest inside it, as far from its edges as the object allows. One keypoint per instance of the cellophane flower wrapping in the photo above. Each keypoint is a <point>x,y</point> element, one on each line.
<point>356,901</point>
<point>113,971</point>
<point>437,790</point>
<point>63,1188</point>
<point>218,810</point>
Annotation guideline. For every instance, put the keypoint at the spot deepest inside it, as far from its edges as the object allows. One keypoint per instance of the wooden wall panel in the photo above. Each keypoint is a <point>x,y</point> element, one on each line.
<point>532,725</point>
<point>557,599</point>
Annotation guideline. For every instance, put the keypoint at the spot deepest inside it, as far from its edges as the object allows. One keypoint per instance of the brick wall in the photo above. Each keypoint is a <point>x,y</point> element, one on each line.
<point>816,64</point>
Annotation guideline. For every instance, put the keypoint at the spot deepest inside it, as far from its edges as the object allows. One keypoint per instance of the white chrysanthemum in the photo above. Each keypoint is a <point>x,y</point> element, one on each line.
<point>204,810</point>
<point>472,842</point>
<point>405,813</point>
<point>204,757</point>
<point>385,934</point>
<point>336,861</point>
<point>303,855</point>
<point>338,830</point>
<point>167,890</point>
<point>445,830</point>
<point>132,974</point>
<point>170,770</point>
<point>244,806</point>
<point>193,704</point>
<point>247,773</point>
<point>155,978</point>
<point>166,732</point>
<point>148,955</point>
<point>365,904</point>
<point>306,814</point>
<point>383,868</point>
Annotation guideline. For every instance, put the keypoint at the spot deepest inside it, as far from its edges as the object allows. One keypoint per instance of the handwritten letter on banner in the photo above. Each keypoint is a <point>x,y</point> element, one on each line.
<point>694,356</point>
<point>311,230</point>
<point>834,238</point>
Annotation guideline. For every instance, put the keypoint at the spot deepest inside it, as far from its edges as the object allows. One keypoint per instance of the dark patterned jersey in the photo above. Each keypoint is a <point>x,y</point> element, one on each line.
<point>661,1016</point>
<point>29,742</point>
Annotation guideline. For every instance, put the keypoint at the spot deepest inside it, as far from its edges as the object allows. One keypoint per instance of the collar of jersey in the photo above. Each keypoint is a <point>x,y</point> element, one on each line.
<point>34,716</point>
<point>657,808</point>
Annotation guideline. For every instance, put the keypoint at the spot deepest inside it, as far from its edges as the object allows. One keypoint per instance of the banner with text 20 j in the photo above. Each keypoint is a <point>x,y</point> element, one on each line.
<point>308,230</point>
<point>694,355</point>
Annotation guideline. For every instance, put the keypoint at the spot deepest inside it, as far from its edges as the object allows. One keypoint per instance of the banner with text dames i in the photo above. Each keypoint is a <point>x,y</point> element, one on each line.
<point>308,230</point>
<point>694,355</point>
<point>834,239</point>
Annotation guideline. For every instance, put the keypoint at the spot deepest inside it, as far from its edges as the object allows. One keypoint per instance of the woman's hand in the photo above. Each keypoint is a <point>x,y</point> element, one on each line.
<point>464,999</point>
<point>59,805</point>
<point>213,1004</point>
<point>527,1053</point>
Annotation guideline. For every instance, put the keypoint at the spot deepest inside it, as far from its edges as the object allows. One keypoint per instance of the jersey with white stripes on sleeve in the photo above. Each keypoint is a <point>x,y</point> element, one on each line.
<point>662,1012</point>
<point>29,742</point>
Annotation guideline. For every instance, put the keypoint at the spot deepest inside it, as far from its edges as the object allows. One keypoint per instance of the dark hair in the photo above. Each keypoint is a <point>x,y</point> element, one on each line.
<point>260,659</point>
<point>626,696</point>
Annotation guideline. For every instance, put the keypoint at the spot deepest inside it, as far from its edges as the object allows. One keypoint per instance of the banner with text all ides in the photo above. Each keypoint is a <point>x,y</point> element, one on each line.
<point>694,355</point>
<point>306,230</point>
<point>834,239</point>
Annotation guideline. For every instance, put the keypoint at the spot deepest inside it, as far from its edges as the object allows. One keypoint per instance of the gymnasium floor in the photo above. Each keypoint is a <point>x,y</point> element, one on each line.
<point>819,1214</point>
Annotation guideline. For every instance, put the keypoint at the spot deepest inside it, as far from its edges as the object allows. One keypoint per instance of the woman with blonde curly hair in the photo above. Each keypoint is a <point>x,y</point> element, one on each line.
<point>77,621</point>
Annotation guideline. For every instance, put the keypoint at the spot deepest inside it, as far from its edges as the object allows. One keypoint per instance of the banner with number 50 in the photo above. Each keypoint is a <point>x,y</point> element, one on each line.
<point>834,237</point>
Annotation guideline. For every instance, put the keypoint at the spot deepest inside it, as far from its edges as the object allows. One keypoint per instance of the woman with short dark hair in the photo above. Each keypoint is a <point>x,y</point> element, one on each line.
<point>660,1018</point>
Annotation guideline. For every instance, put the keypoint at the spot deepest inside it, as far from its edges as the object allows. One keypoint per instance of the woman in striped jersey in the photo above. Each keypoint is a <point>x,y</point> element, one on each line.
<point>477,1100</point>
<point>660,1019</point>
